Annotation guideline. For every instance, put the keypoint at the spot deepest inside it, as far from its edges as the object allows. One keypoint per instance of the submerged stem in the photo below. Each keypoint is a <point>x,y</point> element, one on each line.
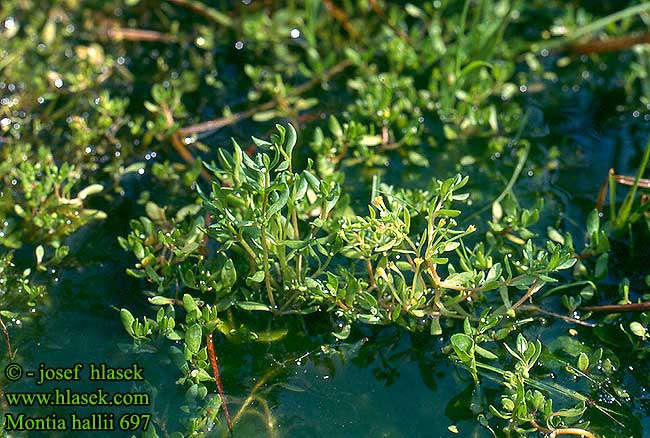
<point>265,253</point>
<point>251,397</point>
<point>7,340</point>
<point>217,377</point>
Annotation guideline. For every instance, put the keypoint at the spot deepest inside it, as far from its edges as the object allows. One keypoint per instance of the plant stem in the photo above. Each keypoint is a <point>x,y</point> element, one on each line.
<point>7,340</point>
<point>617,308</point>
<point>515,174</point>
<point>565,318</point>
<point>605,21</point>
<point>272,372</point>
<point>252,261</point>
<point>572,431</point>
<point>206,11</point>
<point>520,164</point>
<point>371,275</point>
<point>626,208</point>
<point>341,16</point>
<point>217,377</point>
<point>126,34</point>
<point>265,250</point>
<point>610,44</point>
<point>593,27</point>
<point>529,293</point>
<point>553,433</point>
<point>267,273</point>
<point>296,232</point>
<point>612,195</point>
<point>380,13</point>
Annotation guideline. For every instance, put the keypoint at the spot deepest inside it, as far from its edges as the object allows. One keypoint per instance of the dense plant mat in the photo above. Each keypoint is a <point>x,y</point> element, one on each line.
<point>227,193</point>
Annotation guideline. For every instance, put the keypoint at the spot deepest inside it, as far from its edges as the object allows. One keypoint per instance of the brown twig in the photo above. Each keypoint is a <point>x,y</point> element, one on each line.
<point>617,308</point>
<point>629,181</point>
<point>212,125</point>
<point>529,293</point>
<point>219,123</point>
<point>7,340</point>
<point>217,378</point>
<point>124,34</point>
<point>610,44</point>
<point>341,16</point>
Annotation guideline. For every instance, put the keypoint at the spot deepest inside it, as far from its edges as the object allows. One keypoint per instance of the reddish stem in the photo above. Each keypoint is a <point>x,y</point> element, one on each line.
<point>7,341</point>
<point>341,16</point>
<point>616,308</point>
<point>611,44</point>
<point>217,378</point>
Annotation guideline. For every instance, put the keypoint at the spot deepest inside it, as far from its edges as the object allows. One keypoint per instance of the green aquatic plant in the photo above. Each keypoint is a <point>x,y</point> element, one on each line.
<point>288,240</point>
<point>18,295</point>
<point>630,210</point>
<point>38,204</point>
<point>273,239</point>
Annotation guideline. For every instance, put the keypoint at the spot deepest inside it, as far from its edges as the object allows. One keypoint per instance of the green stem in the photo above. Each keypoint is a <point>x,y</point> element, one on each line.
<point>252,257</point>
<point>322,268</point>
<point>543,386</point>
<point>626,208</point>
<point>593,27</point>
<point>520,164</point>
<point>282,251</point>
<point>612,197</point>
<point>265,250</point>
<point>605,21</point>
<point>296,232</point>
<point>515,175</point>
